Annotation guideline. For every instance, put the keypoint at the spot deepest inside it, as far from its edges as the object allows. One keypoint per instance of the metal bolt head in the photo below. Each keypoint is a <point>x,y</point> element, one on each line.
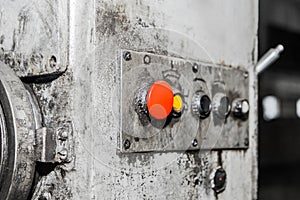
<point>63,135</point>
<point>63,154</point>
<point>127,56</point>
<point>195,68</point>
<point>195,142</point>
<point>127,144</point>
<point>246,74</point>
<point>147,59</point>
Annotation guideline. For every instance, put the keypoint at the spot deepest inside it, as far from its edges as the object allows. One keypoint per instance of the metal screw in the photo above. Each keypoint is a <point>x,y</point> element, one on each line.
<point>195,68</point>
<point>63,154</point>
<point>127,56</point>
<point>195,142</point>
<point>63,135</point>
<point>246,142</point>
<point>246,74</point>
<point>127,144</point>
<point>147,59</point>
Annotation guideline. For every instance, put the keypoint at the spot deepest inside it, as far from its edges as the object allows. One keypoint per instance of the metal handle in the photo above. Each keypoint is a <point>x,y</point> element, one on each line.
<point>268,58</point>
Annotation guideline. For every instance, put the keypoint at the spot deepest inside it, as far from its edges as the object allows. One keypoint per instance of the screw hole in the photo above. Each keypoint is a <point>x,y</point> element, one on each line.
<point>195,68</point>
<point>52,61</point>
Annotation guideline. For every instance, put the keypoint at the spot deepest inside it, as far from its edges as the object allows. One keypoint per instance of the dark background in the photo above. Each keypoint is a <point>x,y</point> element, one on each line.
<point>279,138</point>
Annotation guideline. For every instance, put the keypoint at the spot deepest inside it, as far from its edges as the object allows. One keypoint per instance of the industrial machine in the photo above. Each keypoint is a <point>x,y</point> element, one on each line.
<point>128,99</point>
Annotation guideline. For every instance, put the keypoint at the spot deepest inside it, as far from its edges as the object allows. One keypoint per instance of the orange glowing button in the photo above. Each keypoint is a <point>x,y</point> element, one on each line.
<point>160,100</point>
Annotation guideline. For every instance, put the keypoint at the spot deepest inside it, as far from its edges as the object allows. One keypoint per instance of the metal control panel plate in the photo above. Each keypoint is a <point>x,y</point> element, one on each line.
<point>138,70</point>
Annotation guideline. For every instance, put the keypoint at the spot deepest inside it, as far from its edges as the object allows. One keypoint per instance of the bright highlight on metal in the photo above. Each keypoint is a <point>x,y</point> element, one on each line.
<point>268,58</point>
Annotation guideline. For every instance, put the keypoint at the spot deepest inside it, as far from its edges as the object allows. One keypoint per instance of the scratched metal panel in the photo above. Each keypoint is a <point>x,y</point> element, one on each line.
<point>34,36</point>
<point>98,30</point>
<point>213,132</point>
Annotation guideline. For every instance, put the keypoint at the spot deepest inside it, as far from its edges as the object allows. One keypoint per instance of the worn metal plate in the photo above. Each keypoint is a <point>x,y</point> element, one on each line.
<point>34,36</point>
<point>188,132</point>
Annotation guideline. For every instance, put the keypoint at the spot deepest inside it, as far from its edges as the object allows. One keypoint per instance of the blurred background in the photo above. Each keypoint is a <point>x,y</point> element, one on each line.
<point>279,102</point>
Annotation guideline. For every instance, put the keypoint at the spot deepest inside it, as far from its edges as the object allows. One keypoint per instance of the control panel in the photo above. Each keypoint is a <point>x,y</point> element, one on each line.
<point>174,104</point>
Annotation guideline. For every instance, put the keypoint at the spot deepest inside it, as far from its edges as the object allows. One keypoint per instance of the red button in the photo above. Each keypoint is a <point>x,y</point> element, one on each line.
<point>160,100</point>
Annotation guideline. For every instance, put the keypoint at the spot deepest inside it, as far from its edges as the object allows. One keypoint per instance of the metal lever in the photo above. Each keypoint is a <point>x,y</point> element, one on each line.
<point>268,58</point>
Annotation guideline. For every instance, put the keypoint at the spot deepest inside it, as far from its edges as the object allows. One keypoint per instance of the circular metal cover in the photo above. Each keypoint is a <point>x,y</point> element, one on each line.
<point>17,126</point>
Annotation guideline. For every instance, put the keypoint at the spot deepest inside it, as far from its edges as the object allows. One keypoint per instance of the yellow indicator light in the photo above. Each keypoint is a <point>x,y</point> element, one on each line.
<point>177,103</point>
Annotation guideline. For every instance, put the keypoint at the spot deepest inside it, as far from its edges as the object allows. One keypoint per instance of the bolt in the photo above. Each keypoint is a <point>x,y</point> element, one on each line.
<point>147,59</point>
<point>63,135</point>
<point>195,142</point>
<point>127,144</point>
<point>127,56</point>
<point>195,68</point>
<point>63,154</point>
<point>246,74</point>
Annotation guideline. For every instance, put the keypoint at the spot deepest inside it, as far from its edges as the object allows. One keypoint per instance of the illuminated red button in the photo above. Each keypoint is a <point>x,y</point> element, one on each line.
<point>160,100</point>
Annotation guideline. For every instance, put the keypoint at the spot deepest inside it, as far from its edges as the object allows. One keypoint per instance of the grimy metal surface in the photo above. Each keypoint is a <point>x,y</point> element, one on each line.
<point>186,77</point>
<point>17,137</point>
<point>85,37</point>
<point>34,36</point>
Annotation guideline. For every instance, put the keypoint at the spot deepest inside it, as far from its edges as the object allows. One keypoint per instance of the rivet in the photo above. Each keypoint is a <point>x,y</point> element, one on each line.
<point>63,135</point>
<point>63,154</point>
<point>195,68</point>
<point>195,142</point>
<point>147,59</point>
<point>127,144</point>
<point>127,56</point>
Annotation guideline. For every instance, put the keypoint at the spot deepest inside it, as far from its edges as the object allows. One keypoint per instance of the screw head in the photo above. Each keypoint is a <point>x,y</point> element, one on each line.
<point>127,56</point>
<point>63,135</point>
<point>63,154</point>
<point>245,74</point>
<point>195,142</point>
<point>127,144</point>
<point>195,68</point>
<point>147,59</point>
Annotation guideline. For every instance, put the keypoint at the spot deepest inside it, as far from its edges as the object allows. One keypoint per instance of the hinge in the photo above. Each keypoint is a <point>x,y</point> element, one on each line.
<point>55,145</point>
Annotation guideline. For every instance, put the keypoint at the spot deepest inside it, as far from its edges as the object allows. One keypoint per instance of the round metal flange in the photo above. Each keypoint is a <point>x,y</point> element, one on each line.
<point>17,126</point>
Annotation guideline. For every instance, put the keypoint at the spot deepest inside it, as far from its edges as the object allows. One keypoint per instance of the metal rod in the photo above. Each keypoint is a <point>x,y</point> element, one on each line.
<point>268,58</point>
